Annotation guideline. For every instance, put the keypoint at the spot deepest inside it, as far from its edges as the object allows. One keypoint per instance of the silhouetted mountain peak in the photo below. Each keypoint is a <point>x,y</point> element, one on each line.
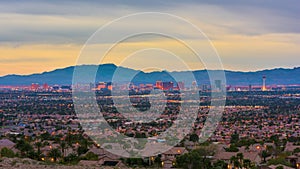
<point>106,71</point>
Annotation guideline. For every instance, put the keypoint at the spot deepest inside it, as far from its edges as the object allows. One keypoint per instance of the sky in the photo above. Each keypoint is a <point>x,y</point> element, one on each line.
<point>38,36</point>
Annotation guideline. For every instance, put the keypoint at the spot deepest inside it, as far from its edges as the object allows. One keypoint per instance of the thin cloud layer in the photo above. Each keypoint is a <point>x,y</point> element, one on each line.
<point>242,31</point>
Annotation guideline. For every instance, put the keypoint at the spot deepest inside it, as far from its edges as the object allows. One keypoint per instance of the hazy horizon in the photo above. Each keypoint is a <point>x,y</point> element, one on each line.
<point>151,71</point>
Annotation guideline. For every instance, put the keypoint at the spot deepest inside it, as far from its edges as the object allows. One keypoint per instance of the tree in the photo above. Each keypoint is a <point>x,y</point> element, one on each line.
<point>296,150</point>
<point>247,163</point>
<point>54,153</point>
<point>81,150</point>
<point>232,148</point>
<point>194,137</point>
<point>234,138</point>
<point>189,161</point>
<point>274,139</point>
<point>45,136</point>
<point>220,164</point>
<point>238,161</point>
<point>264,155</point>
<point>6,152</point>
<point>195,159</point>
<point>38,146</point>
<point>240,156</point>
<point>157,160</point>
<point>71,158</point>
<point>91,156</point>
<point>140,135</point>
<point>24,147</point>
<point>134,162</point>
<point>63,146</point>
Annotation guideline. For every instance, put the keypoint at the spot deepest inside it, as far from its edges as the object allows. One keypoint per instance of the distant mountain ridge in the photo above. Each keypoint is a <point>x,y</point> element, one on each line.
<point>279,76</point>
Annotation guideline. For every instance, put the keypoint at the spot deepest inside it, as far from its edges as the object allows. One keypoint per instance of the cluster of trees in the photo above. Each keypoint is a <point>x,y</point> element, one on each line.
<point>201,159</point>
<point>238,161</point>
<point>236,142</point>
<point>194,160</point>
<point>6,152</point>
<point>32,148</point>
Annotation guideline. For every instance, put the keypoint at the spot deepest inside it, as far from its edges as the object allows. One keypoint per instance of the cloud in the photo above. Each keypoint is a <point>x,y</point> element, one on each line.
<point>74,21</point>
<point>40,32</point>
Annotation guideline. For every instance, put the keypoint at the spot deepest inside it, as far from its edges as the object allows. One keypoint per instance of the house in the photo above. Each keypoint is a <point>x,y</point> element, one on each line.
<point>251,153</point>
<point>105,158</point>
<point>116,164</point>
<point>225,156</point>
<point>290,147</point>
<point>168,163</point>
<point>168,158</point>
<point>88,163</point>
<point>275,166</point>
<point>294,160</point>
<point>6,143</point>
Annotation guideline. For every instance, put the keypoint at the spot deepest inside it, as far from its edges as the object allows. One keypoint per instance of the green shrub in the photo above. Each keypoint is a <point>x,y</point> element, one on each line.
<point>5,152</point>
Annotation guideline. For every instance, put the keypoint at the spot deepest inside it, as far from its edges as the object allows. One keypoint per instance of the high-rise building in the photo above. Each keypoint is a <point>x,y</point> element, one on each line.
<point>167,86</point>
<point>34,86</point>
<point>159,85</point>
<point>194,85</point>
<point>45,87</point>
<point>180,85</point>
<point>204,87</point>
<point>149,86</point>
<point>101,85</point>
<point>264,88</point>
<point>218,85</point>
<point>109,85</point>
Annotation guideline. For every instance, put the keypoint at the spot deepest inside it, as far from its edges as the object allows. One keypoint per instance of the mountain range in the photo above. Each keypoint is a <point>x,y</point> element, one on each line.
<point>278,76</point>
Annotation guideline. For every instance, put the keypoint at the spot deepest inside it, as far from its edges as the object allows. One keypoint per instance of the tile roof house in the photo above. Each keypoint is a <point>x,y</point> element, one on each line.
<point>290,147</point>
<point>169,156</point>
<point>106,158</point>
<point>275,166</point>
<point>6,143</point>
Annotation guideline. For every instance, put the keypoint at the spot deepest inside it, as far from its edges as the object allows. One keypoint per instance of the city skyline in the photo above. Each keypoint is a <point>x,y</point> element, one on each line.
<point>39,36</point>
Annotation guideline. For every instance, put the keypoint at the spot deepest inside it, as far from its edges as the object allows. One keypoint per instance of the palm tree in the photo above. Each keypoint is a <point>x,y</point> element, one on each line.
<point>237,164</point>
<point>158,161</point>
<point>270,150</point>
<point>247,163</point>
<point>235,161</point>
<point>38,146</point>
<point>240,157</point>
<point>264,154</point>
<point>63,146</point>
<point>24,147</point>
<point>54,154</point>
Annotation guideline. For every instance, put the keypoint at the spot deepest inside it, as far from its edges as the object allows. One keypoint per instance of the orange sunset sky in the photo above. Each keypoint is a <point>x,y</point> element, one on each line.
<point>38,36</point>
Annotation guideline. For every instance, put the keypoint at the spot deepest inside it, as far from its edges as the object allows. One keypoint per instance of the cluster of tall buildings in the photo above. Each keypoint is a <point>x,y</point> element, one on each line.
<point>131,86</point>
<point>169,85</point>
<point>218,85</point>
<point>103,85</point>
<point>54,88</point>
<point>35,87</point>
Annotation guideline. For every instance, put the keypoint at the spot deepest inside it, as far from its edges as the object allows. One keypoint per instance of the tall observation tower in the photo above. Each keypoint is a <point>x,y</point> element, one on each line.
<point>264,88</point>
